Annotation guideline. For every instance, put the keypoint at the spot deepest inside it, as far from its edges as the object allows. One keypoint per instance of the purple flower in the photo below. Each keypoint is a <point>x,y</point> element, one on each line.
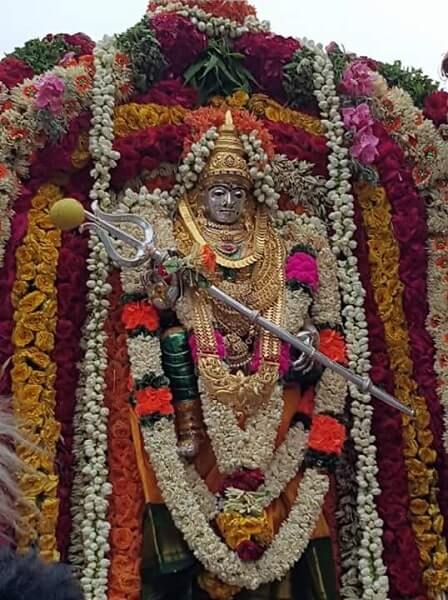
<point>357,118</point>
<point>50,93</point>
<point>357,79</point>
<point>303,267</point>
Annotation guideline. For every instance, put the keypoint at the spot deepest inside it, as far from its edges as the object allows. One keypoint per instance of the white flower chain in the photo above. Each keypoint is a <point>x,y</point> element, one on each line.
<point>94,526</point>
<point>252,447</point>
<point>96,488</point>
<point>102,131</point>
<point>372,570</point>
<point>196,160</point>
<point>286,548</point>
<point>213,26</point>
<point>281,470</point>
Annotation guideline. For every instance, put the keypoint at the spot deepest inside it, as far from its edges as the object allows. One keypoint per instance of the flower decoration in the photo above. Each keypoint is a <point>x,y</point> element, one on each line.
<point>137,315</point>
<point>154,402</point>
<point>332,344</point>
<point>14,71</point>
<point>50,93</point>
<point>326,435</point>
<point>302,268</point>
<point>265,57</point>
<point>357,79</point>
<point>180,41</point>
<point>249,480</point>
<point>436,107</point>
<point>360,121</point>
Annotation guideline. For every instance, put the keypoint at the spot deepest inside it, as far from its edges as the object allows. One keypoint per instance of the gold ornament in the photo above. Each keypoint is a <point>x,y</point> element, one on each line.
<point>227,160</point>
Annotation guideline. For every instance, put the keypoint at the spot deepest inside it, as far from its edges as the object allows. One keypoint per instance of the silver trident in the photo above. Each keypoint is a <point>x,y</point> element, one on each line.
<point>69,214</point>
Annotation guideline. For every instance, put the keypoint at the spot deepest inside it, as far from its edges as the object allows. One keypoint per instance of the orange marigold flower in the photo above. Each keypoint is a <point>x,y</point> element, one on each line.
<point>332,344</point>
<point>326,435</point>
<point>151,401</point>
<point>3,170</point>
<point>140,314</point>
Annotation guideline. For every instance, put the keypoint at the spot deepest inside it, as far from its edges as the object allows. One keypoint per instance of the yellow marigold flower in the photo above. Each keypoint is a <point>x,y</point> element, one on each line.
<point>236,528</point>
<point>239,99</point>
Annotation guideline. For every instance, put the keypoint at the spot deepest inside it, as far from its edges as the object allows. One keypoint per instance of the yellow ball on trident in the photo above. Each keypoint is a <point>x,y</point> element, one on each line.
<point>67,214</point>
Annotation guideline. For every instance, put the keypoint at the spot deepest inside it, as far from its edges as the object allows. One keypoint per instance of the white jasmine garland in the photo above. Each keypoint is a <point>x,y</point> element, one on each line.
<point>213,26</point>
<point>102,130</point>
<point>196,160</point>
<point>92,527</point>
<point>286,548</point>
<point>235,448</point>
<point>372,570</point>
<point>282,469</point>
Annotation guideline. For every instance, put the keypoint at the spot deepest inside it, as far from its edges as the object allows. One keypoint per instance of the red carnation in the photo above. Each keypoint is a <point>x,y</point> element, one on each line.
<point>436,107</point>
<point>326,435</point>
<point>249,550</point>
<point>171,92</point>
<point>13,71</point>
<point>266,55</point>
<point>180,40</point>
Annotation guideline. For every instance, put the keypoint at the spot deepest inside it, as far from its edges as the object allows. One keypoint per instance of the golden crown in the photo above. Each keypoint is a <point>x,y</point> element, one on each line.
<point>228,158</point>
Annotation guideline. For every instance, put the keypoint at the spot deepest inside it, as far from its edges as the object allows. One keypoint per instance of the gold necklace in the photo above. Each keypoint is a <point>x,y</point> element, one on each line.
<point>189,223</point>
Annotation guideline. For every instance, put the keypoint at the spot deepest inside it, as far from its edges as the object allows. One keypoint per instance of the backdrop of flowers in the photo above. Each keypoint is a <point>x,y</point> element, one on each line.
<point>364,152</point>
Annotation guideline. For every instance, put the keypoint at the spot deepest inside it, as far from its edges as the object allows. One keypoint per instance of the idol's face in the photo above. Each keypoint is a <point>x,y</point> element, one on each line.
<point>224,203</point>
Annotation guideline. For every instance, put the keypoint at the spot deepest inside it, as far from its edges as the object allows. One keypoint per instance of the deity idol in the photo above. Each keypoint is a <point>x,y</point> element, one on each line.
<point>236,483</point>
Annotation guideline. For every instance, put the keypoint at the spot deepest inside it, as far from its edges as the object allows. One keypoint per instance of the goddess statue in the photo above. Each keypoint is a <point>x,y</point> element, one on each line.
<point>248,413</point>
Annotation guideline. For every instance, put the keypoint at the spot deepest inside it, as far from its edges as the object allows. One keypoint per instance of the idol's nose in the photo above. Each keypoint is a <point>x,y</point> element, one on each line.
<point>229,202</point>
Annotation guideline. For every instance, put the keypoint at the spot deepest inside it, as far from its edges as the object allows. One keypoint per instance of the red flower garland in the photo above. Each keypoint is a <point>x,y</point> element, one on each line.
<point>400,550</point>
<point>154,401</point>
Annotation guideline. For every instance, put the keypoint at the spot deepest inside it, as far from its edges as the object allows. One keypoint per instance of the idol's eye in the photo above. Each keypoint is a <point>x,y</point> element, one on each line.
<point>219,192</point>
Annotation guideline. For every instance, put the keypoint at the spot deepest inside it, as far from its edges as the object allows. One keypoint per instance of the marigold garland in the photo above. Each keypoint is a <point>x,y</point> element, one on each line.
<point>34,372</point>
<point>264,106</point>
<point>420,457</point>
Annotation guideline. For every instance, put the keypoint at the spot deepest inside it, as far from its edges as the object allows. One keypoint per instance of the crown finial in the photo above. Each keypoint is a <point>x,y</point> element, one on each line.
<point>228,157</point>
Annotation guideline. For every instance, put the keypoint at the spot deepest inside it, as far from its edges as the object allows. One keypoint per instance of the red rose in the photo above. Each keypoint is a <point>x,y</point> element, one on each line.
<point>249,550</point>
<point>13,71</point>
<point>180,40</point>
<point>436,107</point>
